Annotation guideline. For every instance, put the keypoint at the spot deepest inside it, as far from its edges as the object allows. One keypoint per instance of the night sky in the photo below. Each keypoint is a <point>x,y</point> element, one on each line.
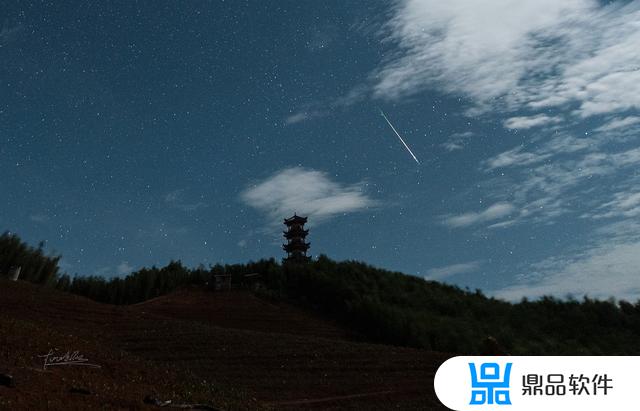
<point>137,132</point>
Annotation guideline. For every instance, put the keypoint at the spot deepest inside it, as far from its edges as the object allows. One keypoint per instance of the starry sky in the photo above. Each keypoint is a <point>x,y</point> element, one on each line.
<point>136,132</point>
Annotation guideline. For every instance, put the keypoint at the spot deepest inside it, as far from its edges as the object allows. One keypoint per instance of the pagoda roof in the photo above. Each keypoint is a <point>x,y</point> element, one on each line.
<point>295,233</point>
<point>296,219</point>
<point>296,246</point>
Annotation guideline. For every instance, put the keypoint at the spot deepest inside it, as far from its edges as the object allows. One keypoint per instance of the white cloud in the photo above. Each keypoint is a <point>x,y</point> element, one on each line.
<point>548,181</point>
<point>457,141</point>
<point>354,96</point>
<point>295,118</point>
<point>302,116</point>
<point>618,123</point>
<point>515,156</point>
<point>306,192</point>
<point>624,204</point>
<point>124,268</point>
<point>121,269</point>
<point>452,146</point>
<point>479,48</point>
<point>607,268</point>
<point>494,212</point>
<point>531,121</point>
<point>502,224</point>
<point>517,54</point>
<point>559,145</point>
<point>440,273</point>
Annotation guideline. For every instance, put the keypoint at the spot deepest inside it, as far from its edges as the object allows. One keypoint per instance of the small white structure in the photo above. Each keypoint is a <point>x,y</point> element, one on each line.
<point>14,273</point>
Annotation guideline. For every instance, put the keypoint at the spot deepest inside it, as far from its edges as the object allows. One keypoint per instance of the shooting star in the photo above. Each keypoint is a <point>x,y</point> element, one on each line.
<point>398,134</point>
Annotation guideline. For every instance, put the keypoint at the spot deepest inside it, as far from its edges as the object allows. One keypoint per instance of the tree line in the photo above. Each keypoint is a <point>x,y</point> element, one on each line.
<point>382,306</point>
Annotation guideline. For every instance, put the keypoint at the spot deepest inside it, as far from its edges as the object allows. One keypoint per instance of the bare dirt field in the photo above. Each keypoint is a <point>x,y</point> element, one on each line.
<point>227,350</point>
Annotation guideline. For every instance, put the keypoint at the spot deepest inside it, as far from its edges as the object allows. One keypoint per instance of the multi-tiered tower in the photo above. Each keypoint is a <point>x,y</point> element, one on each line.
<point>296,246</point>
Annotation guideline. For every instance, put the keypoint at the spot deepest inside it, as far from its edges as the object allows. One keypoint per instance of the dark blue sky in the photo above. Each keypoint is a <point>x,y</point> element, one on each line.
<point>132,133</point>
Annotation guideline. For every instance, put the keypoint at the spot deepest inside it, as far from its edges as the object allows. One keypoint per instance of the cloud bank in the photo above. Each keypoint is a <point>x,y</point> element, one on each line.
<point>517,54</point>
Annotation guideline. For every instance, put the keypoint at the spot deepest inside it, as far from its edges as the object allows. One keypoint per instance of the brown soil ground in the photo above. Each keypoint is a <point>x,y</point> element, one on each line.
<point>229,350</point>
<point>242,310</point>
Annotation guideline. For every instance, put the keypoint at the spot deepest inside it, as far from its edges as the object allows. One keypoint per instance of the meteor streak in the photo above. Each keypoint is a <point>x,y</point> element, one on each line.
<point>398,134</point>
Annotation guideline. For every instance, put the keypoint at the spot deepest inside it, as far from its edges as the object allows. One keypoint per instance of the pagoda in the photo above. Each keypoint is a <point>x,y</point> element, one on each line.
<point>296,247</point>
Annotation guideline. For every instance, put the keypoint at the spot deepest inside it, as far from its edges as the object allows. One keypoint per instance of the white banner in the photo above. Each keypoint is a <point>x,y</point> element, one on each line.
<point>538,383</point>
